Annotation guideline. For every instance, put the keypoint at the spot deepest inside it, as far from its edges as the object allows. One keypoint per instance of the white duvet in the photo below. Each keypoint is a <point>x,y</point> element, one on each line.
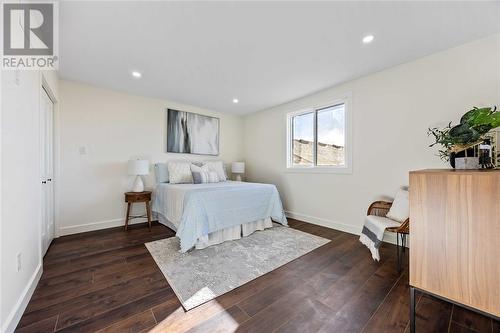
<point>169,198</point>
<point>206,214</point>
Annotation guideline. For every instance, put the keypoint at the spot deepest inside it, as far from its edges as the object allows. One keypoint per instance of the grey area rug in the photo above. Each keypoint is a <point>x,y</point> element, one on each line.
<point>202,275</point>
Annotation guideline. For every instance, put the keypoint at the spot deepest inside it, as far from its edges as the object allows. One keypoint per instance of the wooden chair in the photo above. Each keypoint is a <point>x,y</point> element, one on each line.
<point>381,208</point>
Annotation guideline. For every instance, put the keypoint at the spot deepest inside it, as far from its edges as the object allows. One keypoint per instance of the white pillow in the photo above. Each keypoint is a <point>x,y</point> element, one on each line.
<point>198,168</point>
<point>161,173</point>
<point>400,209</point>
<point>217,167</point>
<point>203,174</point>
<point>180,172</point>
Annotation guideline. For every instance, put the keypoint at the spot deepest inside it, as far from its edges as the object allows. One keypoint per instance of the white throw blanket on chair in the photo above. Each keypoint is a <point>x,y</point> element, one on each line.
<point>373,232</point>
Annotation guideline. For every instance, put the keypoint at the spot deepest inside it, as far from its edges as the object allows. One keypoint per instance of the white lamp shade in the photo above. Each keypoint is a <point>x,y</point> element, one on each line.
<point>238,167</point>
<point>138,167</point>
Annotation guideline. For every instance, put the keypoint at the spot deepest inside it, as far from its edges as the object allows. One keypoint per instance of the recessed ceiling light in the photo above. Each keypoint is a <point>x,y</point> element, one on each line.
<point>136,74</point>
<point>368,39</point>
<point>236,101</point>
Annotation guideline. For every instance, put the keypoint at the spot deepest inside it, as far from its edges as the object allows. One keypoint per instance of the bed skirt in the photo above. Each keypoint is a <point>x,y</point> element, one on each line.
<point>223,235</point>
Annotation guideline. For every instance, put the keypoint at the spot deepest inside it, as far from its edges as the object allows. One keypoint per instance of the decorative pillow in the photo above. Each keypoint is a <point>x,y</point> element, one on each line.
<point>217,167</point>
<point>400,209</point>
<point>180,172</point>
<point>203,175</point>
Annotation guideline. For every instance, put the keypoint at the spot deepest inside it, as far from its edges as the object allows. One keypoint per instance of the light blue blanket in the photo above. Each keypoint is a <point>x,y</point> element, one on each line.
<point>215,208</point>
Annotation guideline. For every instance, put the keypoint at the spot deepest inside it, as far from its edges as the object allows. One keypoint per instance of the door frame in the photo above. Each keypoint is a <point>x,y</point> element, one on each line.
<point>45,87</point>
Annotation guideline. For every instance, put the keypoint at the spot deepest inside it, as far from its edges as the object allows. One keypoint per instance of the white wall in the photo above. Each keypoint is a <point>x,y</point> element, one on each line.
<point>21,189</point>
<point>115,127</point>
<point>392,110</point>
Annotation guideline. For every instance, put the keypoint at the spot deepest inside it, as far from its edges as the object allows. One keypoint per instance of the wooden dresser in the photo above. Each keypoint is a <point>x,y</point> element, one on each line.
<point>455,237</point>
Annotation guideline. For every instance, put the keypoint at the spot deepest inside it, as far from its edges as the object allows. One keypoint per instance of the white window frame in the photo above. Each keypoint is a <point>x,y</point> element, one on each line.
<point>344,169</point>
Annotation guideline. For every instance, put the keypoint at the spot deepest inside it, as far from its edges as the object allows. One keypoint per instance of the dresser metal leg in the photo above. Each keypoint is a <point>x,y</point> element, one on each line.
<point>397,253</point>
<point>412,309</point>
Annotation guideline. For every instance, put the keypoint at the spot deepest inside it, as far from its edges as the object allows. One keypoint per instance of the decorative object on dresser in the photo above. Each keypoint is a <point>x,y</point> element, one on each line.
<point>138,168</point>
<point>463,140</point>
<point>192,133</point>
<point>467,162</point>
<point>130,198</point>
<point>494,137</point>
<point>238,169</point>
<point>454,238</point>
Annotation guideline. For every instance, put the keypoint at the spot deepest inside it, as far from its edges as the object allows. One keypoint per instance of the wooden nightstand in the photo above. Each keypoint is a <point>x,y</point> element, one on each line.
<point>130,198</point>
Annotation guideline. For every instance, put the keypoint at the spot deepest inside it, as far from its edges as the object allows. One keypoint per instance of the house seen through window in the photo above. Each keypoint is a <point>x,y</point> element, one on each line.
<point>317,137</point>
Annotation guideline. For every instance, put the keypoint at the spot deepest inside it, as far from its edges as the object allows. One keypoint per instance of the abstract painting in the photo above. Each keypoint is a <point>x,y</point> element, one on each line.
<point>192,133</point>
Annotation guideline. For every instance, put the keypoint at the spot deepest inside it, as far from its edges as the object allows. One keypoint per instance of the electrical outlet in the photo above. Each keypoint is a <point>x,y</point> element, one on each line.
<point>19,262</point>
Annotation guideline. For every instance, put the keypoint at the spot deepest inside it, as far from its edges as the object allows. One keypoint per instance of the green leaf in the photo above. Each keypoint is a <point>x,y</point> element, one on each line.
<point>480,117</point>
<point>495,119</point>
<point>469,117</point>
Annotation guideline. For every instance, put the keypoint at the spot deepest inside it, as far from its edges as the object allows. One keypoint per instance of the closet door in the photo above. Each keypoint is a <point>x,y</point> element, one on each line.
<point>47,161</point>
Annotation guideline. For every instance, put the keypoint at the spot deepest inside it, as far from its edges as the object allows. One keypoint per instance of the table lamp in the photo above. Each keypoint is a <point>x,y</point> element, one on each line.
<point>138,168</point>
<point>238,168</point>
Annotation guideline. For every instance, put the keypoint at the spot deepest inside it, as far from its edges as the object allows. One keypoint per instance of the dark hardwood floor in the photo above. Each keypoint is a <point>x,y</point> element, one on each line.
<point>106,281</point>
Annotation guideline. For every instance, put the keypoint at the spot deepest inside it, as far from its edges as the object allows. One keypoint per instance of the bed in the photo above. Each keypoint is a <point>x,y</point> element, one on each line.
<point>208,214</point>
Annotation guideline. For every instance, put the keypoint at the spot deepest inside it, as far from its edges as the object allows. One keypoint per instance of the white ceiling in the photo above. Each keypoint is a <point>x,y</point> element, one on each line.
<point>263,53</point>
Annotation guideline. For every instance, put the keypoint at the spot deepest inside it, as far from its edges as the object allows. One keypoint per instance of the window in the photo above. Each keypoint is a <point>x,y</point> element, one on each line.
<point>318,138</point>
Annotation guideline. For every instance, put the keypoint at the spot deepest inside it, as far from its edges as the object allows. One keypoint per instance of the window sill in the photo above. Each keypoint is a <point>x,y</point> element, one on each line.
<point>334,170</point>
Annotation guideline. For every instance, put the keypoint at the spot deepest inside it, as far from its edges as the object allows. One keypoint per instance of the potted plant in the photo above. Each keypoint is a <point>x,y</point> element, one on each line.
<point>461,138</point>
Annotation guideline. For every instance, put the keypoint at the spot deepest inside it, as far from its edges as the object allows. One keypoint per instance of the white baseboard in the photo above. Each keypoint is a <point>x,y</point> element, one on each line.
<point>22,302</point>
<point>76,229</point>
<point>352,229</point>
<point>389,237</point>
